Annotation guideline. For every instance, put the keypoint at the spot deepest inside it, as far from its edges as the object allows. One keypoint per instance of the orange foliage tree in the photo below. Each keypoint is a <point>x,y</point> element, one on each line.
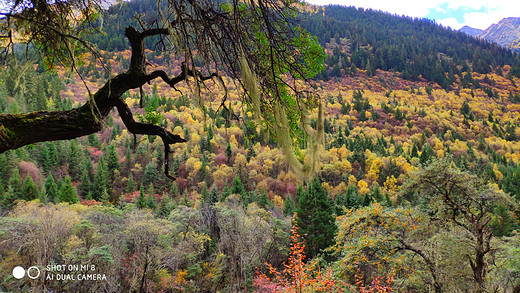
<point>298,276</point>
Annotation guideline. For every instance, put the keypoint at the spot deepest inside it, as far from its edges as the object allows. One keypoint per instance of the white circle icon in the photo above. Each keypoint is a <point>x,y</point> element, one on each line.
<point>33,275</point>
<point>18,272</point>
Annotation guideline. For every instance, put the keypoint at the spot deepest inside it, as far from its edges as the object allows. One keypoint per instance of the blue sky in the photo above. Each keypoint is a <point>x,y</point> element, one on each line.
<point>455,14</point>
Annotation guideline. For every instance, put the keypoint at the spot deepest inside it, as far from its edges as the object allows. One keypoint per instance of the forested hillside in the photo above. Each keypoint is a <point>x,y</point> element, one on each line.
<point>417,190</point>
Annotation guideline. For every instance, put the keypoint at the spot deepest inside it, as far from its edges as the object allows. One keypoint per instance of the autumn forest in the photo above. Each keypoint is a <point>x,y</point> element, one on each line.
<point>399,170</point>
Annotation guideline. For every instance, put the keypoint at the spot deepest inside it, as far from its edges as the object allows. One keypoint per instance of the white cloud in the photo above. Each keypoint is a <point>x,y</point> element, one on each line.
<point>451,22</point>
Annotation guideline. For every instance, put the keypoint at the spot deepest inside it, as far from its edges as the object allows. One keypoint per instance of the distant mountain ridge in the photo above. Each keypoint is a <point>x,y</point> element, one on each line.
<point>474,32</point>
<point>505,33</point>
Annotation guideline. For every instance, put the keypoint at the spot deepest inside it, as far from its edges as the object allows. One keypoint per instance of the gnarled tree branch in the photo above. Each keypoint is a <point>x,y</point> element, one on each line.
<point>17,130</point>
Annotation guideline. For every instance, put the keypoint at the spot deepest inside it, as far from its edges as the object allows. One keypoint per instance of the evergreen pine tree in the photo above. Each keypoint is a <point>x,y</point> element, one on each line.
<point>229,152</point>
<point>9,198</point>
<point>127,165</point>
<point>315,219</point>
<point>30,190</point>
<point>204,195</point>
<point>151,189</point>
<point>54,160</point>
<point>237,187</point>
<point>130,187</point>
<point>427,154</point>
<point>414,152</point>
<point>174,190</point>
<point>93,140</point>
<point>87,167</point>
<point>352,199</point>
<point>45,159</point>
<point>376,193</point>
<point>74,161</point>
<point>165,207</point>
<point>89,196</point>
<point>213,195</point>
<point>225,192</point>
<point>101,179</point>
<point>264,201</point>
<point>67,192</point>
<point>141,201</point>
<point>367,200</point>
<point>85,185</point>
<point>502,223</point>
<point>150,203</point>
<point>150,174</point>
<point>288,205</point>
<point>105,197</point>
<point>388,202</point>
<point>51,189</point>
<point>112,160</point>
<point>16,183</point>
<point>339,203</point>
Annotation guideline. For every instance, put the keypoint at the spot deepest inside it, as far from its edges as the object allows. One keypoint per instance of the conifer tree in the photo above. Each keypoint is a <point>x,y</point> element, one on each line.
<point>150,203</point>
<point>339,203</point>
<point>288,205</point>
<point>54,160</point>
<point>105,197</point>
<point>85,185</point>
<point>30,190</point>
<point>130,187</point>
<point>101,179</point>
<point>376,193</point>
<point>127,165</point>
<point>44,158</point>
<point>74,160</point>
<point>67,192</point>
<point>174,190</point>
<point>225,192</point>
<point>213,195</point>
<point>165,207</point>
<point>264,201</point>
<point>150,174</point>
<point>229,152</point>
<point>204,195</point>
<point>141,201</point>
<point>315,218</point>
<point>9,197</point>
<point>352,199</point>
<point>16,183</point>
<point>51,189</point>
<point>427,154</point>
<point>414,152</point>
<point>237,187</point>
<point>112,160</point>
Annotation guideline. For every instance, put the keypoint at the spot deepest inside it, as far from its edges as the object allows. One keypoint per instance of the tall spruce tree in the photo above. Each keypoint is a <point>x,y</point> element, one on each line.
<point>30,190</point>
<point>67,192</point>
<point>74,160</point>
<point>112,160</point>
<point>315,219</point>
<point>101,179</point>
<point>51,189</point>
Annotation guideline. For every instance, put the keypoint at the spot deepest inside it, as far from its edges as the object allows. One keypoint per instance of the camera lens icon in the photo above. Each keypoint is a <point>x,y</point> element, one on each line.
<point>32,272</point>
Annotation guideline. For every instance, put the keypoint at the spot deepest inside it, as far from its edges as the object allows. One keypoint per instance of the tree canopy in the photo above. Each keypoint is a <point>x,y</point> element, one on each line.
<point>257,43</point>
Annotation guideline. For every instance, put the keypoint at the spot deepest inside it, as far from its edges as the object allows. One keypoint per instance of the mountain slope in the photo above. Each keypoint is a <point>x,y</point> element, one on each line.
<point>416,48</point>
<point>474,32</point>
<point>506,33</point>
